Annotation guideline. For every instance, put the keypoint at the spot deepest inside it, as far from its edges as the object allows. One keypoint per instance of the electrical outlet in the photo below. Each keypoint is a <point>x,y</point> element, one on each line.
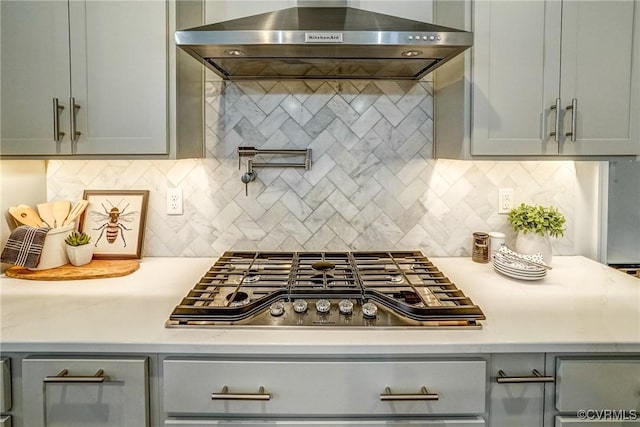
<point>505,200</point>
<point>174,201</point>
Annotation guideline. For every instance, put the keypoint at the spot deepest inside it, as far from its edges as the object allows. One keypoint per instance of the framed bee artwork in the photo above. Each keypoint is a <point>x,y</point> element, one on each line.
<point>115,221</point>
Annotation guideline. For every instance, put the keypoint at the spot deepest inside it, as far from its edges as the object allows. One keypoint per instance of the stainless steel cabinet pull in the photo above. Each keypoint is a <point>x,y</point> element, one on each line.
<point>64,377</point>
<point>423,395</point>
<point>556,126</point>
<point>537,377</point>
<point>225,395</point>
<point>574,115</point>
<point>57,135</point>
<point>72,119</point>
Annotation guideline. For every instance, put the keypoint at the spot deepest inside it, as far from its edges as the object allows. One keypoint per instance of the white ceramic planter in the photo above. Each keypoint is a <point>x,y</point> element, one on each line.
<point>53,250</point>
<point>80,255</point>
<point>532,243</point>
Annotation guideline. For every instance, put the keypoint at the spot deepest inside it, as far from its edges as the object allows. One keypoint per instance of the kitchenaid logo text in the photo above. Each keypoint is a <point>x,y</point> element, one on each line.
<point>323,37</point>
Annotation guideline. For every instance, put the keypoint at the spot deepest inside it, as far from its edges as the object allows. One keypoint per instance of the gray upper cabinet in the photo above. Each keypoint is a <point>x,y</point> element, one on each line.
<point>556,78</point>
<point>106,65</point>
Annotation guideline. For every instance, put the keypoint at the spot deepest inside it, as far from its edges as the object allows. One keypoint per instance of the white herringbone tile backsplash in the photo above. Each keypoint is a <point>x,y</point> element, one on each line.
<point>373,186</point>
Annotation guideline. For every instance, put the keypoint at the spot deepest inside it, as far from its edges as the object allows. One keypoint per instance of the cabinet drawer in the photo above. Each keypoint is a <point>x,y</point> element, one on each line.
<point>322,387</point>
<point>472,422</point>
<point>576,422</point>
<point>598,384</point>
<point>5,385</point>
<point>94,392</point>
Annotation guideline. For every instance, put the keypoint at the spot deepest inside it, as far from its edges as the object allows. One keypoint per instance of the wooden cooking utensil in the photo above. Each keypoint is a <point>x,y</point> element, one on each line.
<point>26,215</point>
<point>77,210</point>
<point>60,212</point>
<point>45,210</point>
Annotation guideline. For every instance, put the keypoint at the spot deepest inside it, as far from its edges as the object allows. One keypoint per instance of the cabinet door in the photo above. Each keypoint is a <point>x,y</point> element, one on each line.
<point>78,399</point>
<point>471,422</point>
<point>516,56</point>
<point>598,385</point>
<point>600,69</point>
<point>577,422</point>
<point>520,403</point>
<point>119,76</point>
<point>35,70</point>
<point>5,385</point>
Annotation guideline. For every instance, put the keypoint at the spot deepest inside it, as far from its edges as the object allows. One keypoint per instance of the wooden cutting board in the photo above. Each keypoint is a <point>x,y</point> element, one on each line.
<point>96,269</point>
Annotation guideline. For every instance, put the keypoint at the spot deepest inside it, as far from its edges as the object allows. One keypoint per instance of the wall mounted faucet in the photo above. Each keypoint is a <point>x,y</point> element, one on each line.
<point>250,175</point>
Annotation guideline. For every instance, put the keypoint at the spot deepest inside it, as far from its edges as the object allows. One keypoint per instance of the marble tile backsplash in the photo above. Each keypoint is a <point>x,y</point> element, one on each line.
<point>373,185</point>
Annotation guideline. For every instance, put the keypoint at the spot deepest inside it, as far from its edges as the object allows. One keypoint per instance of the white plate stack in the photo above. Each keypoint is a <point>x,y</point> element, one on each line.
<point>519,266</point>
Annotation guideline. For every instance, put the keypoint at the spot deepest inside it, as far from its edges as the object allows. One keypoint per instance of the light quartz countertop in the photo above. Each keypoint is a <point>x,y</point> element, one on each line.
<point>580,306</point>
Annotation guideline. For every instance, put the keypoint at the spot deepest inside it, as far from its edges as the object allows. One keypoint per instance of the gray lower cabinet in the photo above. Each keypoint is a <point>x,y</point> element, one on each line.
<point>311,423</point>
<point>516,389</point>
<point>576,422</point>
<point>78,392</point>
<point>6,398</point>
<point>442,392</point>
<point>597,392</point>
<point>5,385</point>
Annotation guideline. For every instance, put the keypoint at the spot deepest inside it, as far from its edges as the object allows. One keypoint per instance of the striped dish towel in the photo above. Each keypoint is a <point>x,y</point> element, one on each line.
<point>24,246</point>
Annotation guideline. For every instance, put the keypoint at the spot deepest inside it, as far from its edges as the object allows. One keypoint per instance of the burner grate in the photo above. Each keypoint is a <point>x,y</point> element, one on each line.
<point>241,286</point>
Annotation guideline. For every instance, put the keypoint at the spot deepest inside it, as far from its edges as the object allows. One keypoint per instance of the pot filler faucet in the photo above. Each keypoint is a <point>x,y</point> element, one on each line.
<point>250,152</point>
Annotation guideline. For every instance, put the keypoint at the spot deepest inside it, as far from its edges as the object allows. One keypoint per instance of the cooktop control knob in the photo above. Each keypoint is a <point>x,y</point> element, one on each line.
<point>345,306</point>
<point>369,310</point>
<point>277,309</point>
<point>323,306</point>
<point>300,306</point>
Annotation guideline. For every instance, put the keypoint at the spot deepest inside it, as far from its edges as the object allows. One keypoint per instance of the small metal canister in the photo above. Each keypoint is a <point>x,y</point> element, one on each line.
<point>480,247</point>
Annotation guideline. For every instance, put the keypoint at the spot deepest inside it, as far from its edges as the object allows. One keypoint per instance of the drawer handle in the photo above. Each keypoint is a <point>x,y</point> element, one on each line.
<point>423,395</point>
<point>64,377</point>
<point>574,114</point>
<point>537,377</point>
<point>72,119</point>
<point>225,395</point>
<point>57,135</point>
<point>556,126</point>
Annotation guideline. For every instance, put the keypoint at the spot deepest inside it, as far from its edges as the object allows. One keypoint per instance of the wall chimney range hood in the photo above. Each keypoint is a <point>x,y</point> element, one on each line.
<point>323,43</point>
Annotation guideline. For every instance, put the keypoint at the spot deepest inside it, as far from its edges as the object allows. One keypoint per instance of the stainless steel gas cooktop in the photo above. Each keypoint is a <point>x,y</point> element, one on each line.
<point>330,289</point>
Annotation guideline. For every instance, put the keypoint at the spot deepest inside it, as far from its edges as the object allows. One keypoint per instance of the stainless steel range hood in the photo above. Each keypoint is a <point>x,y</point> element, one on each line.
<point>323,43</point>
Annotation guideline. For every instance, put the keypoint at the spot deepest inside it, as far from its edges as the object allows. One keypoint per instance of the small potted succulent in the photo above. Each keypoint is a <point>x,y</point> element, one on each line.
<point>79,250</point>
<point>535,225</point>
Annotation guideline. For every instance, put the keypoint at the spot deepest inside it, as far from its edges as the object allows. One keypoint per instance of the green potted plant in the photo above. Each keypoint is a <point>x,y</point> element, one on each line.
<point>79,250</point>
<point>535,225</point>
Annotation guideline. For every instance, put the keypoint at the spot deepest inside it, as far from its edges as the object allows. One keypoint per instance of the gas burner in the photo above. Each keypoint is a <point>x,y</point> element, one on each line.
<point>395,278</point>
<point>409,297</point>
<point>323,266</point>
<point>239,299</point>
<point>321,279</point>
<point>251,277</point>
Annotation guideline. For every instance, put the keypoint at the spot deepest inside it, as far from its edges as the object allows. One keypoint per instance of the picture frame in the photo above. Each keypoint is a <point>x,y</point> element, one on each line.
<point>115,220</point>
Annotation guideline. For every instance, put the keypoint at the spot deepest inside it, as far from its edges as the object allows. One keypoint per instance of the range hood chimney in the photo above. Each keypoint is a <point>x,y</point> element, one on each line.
<point>323,40</point>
